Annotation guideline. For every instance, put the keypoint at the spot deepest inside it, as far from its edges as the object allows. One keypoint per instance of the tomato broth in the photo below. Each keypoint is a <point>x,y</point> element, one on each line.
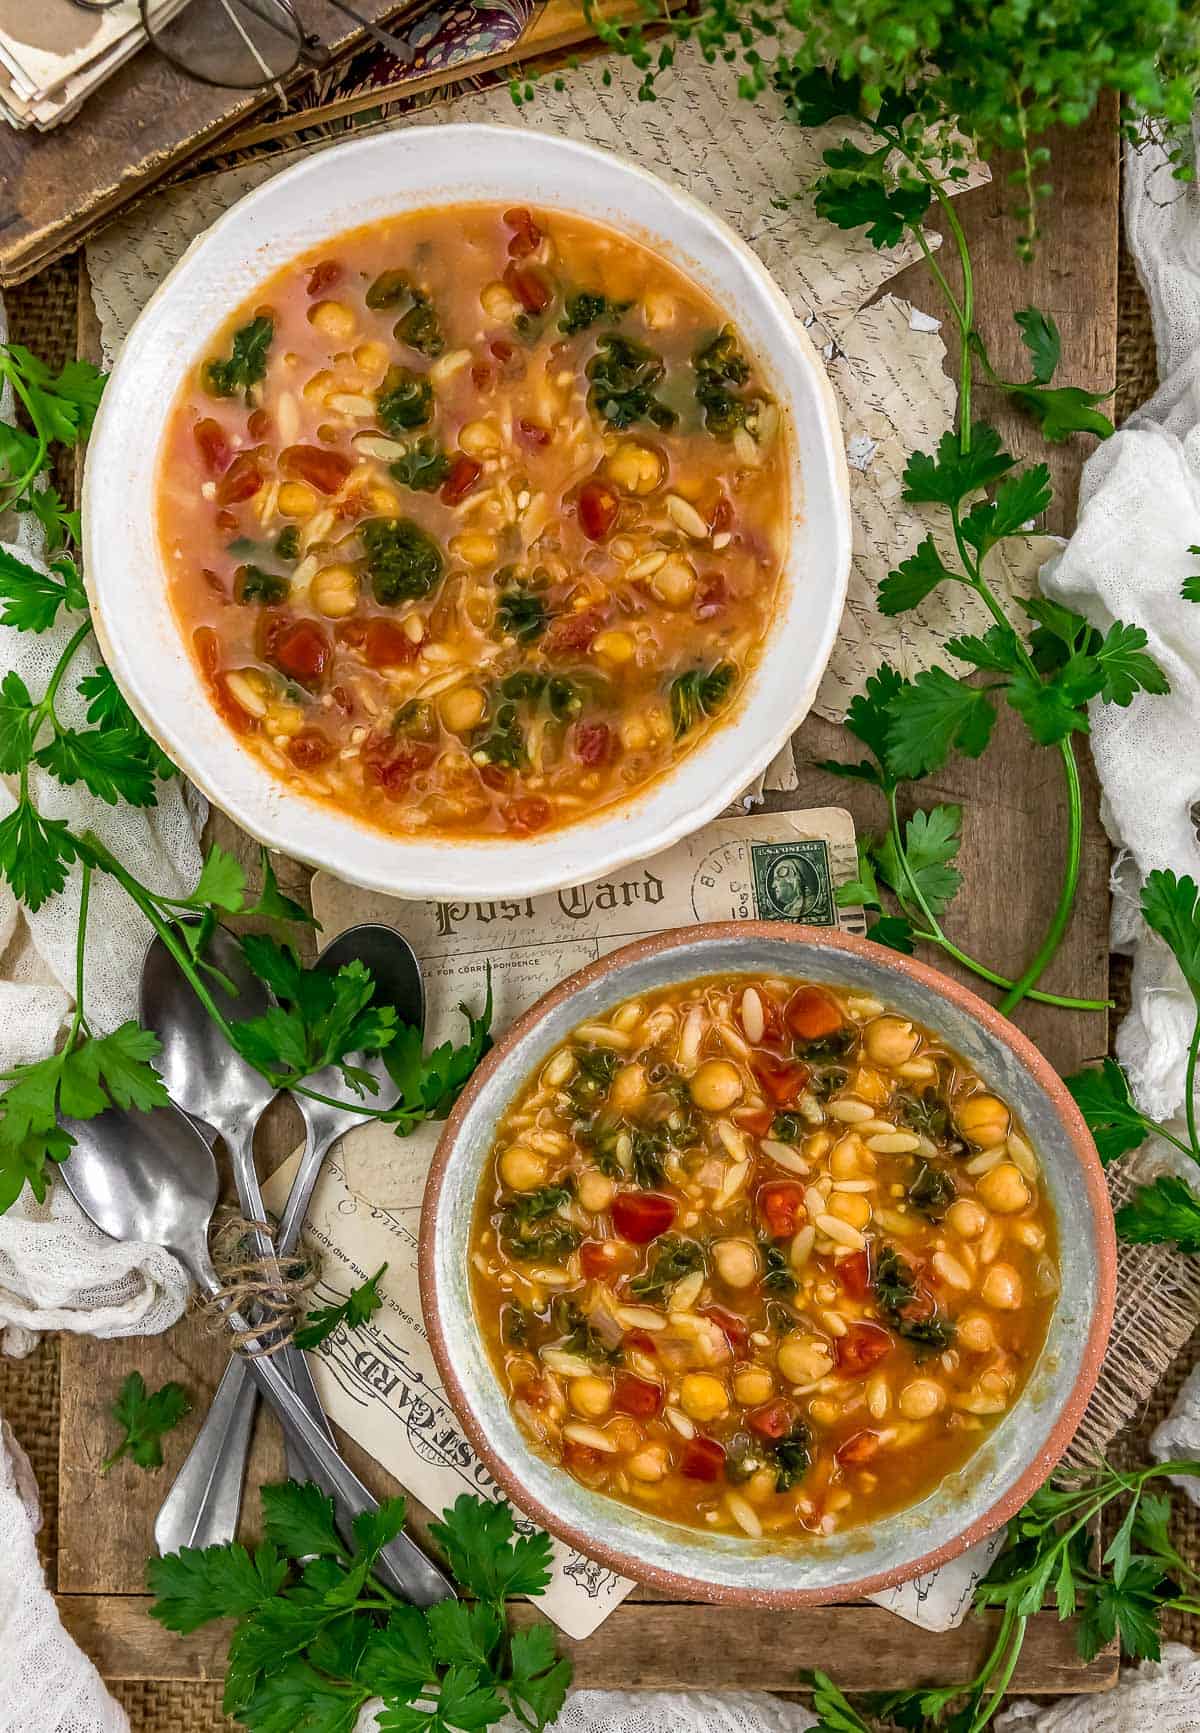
<point>474,519</point>
<point>761,1256</point>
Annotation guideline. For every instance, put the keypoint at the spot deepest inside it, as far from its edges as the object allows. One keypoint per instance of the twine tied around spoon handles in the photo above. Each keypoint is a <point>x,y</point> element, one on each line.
<point>268,1289</point>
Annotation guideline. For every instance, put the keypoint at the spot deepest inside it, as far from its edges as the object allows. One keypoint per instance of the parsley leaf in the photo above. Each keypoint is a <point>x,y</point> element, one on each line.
<point>857,192</point>
<point>35,853</point>
<point>1130,1609</point>
<point>198,1584</point>
<point>146,1417</point>
<point>1040,335</point>
<point>949,477</point>
<point>299,1519</point>
<point>107,709</point>
<point>1191,585</point>
<point>931,840</point>
<point>1165,1213</point>
<point>110,762</point>
<point>486,1553</point>
<point>321,1018</point>
<point>933,716</point>
<point>59,524</point>
<point>30,600</point>
<point>1018,499</point>
<point>1171,907</point>
<point>358,1308</point>
<point>430,1084</point>
<point>1103,1097</point>
<point>1126,667</point>
<point>914,579</point>
<point>247,361</point>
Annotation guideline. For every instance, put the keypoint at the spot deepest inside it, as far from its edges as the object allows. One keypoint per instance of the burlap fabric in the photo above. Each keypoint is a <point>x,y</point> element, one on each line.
<point>42,314</point>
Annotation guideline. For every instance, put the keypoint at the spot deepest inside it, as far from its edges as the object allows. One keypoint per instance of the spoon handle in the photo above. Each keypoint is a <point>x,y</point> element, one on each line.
<point>402,1563</point>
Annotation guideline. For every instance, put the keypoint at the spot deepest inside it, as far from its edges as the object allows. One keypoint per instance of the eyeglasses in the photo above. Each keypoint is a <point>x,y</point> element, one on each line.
<point>240,44</point>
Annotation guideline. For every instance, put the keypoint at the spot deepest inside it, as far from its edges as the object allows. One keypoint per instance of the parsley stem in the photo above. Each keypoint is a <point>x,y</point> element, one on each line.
<point>77,638</point>
<point>1189,1088</point>
<point>1060,920</point>
<point>85,891</point>
<point>17,488</point>
<point>1015,1635</point>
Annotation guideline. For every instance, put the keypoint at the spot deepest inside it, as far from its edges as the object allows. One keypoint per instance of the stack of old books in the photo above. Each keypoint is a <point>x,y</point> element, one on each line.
<point>54,53</point>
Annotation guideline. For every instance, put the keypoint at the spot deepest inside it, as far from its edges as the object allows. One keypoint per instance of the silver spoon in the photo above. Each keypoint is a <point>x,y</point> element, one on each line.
<point>152,1177</point>
<point>203,1505</point>
<point>206,1077</point>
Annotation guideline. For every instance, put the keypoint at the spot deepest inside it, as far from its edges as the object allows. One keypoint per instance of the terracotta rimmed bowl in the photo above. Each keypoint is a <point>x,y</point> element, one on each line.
<point>409,169</point>
<point>1013,1460</point>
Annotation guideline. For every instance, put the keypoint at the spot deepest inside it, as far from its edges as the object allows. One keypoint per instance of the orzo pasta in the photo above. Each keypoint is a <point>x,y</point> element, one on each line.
<point>474,519</point>
<point>761,1255</point>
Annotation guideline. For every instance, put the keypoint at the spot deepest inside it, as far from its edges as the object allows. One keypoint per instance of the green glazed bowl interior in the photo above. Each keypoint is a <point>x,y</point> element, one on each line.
<point>1013,1459</point>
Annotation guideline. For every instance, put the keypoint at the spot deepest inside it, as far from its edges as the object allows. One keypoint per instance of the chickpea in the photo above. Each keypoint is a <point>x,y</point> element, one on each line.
<point>317,389</point>
<point>852,1207</point>
<point>635,735</point>
<point>499,303</point>
<point>1028,1234</point>
<point>1003,1189</point>
<point>703,1397</point>
<point>628,1088</point>
<point>333,319</point>
<point>822,1412</point>
<point>803,1358</point>
<point>334,592</point>
<point>674,583</point>
<point>716,1086</point>
<point>480,438</point>
<point>966,1218</point>
<point>284,718</point>
<point>845,1161</point>
<point>297,500</point>
<point>891,1040</point>
<point>462,708</point>
<point>522,1169</point>
<point>649,1464</point>
<point>738,1263</point>
<point>921,1399</point>
<point>752,1385</point>
<point>476,547</point>
<point>591,1396</point>
<point>371,358</point>
<point>761,1485</point>
<point>1002,1288</point>
<point>983,1119</point>
<point>635,468</point>
<point>974,1332</point>
<point>596,1190</point>
<point>615,647</point>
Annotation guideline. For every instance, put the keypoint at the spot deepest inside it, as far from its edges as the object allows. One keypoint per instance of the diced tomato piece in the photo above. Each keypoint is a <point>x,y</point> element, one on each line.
<point>301,649</point>
<point>720,518</point>
<point>495,777</point>
<point>772,1420</point>
<point>215,583</point>
<point>526,237</point>
<point>404,760</point>
<point>481,376</point>
<point>574,633</point>
<point>353,506</point>
<point>712,598</point>
<point>737,1330</point>
<point>581,1457</point>
<point>324,470</point>
<point>862,1447</point>
<point>593,743</point>
<point>600,1258</point>
<point>530,285</point>
<point>227,521</point>
<point>812,1014</point>
<point>781,1206</point>
<point>854,1273</point>
<point>637,1396</point>
<point>241,480</point>
<point>309,748</point>
<point>784,1082</point>
<point>502,349</point>
<point>532,434</point>
<point>323,276</point>
<point>756,1120</point>
<point>387,645</point>
<point>213,446</point>
<point>343,699</point>
<point>860,1349</point>
<point>528,814</point>
<point>640,1216</point>
<point>642,1340</point>
<point>259,424</point>
<point>598,508</point>
<point>464,473</point>
<point>208,653</point>
<point>703,1459</point>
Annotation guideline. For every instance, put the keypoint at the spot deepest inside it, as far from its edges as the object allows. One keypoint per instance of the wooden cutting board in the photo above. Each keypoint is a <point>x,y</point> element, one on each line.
<point>1014,816</point>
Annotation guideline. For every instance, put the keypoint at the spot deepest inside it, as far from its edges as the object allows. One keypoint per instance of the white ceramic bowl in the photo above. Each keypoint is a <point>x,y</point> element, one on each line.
<point>341,188</point>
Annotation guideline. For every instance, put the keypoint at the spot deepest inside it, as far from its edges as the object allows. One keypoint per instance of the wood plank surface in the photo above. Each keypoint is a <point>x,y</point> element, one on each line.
<point>665,1647</point>
<point>1014,809</point>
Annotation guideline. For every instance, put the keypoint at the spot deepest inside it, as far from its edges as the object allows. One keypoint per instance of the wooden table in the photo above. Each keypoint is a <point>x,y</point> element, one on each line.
<point>1014,818</point>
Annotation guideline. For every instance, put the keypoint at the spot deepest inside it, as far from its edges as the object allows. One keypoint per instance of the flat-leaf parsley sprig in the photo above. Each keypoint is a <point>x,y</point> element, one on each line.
<point>1168,1210</point>
<point>1047,673</point>
<point>316,1640</point>
<point>317,1019</point>
<point>1049,1554</point>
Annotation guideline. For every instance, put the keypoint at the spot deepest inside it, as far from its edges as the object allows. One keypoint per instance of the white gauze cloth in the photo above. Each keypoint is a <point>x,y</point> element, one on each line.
<point>56,1271</point>
<point>661,1712</point>
<point>1139,515</point>
<point>1154,1697</point>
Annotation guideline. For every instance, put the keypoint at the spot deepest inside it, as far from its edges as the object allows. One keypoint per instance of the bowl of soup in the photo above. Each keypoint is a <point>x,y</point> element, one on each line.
<point>763,1264</point>
<point>467,511</point>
